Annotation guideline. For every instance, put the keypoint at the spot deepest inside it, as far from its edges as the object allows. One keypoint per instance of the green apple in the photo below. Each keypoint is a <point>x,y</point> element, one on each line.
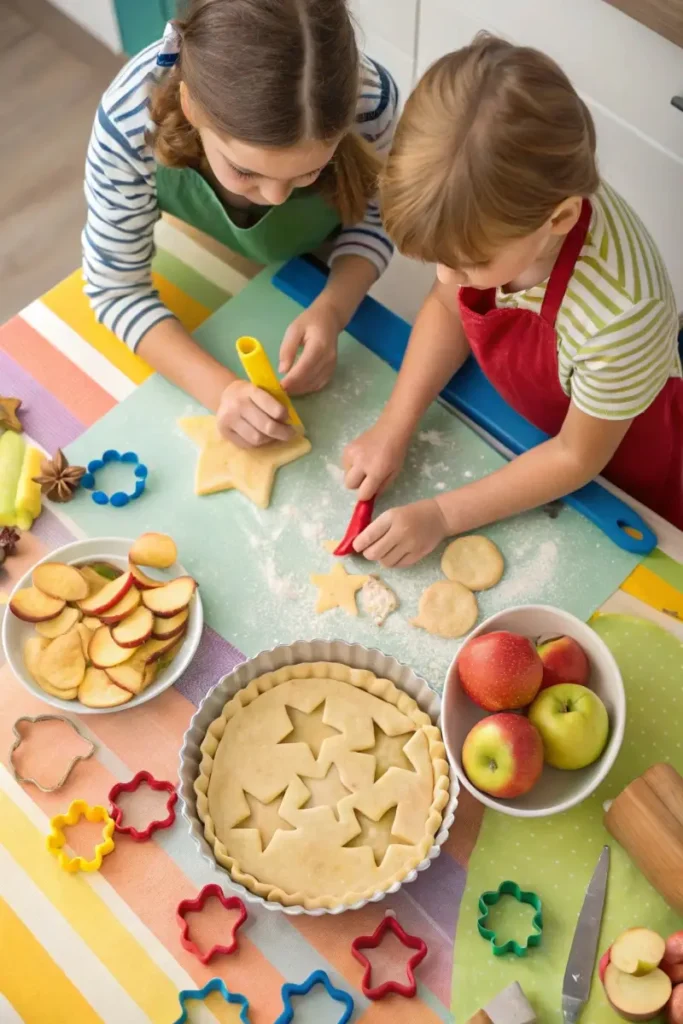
<point>573,724</point>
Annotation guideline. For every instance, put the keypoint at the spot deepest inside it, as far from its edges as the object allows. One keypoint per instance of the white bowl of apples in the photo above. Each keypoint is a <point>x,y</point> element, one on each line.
<point>533,711</point>
<point>88,630</point>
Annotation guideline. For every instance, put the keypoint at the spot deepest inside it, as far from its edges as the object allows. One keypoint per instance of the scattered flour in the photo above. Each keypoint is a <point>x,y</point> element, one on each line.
<point>531,577</point>
<point>440,486</point>
<point>468,474</point>
<point>335,471</point>
<point>313,533</point>
<point>280,586</point>
<point>428,469</point>
<point>434,437</point>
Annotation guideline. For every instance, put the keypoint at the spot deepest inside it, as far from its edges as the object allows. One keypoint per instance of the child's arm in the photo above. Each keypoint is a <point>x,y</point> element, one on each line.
<point>436,350</point>
<point>582,449</point>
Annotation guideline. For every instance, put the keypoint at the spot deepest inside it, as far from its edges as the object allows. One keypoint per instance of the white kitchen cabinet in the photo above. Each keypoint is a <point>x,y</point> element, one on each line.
<point>392,20</point>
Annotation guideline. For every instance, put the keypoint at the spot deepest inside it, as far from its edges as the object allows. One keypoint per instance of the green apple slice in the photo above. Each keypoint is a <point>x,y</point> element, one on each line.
<point>637,998</point>
<point>638,951</point>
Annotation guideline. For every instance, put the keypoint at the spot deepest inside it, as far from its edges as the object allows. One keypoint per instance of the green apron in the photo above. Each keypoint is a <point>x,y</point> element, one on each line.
<point>299,225</point>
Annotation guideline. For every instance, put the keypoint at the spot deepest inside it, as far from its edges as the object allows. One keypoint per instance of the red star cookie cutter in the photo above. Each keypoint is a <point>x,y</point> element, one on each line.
<point>142,835</point>
<point>197,904</point>
<point>389,923</point>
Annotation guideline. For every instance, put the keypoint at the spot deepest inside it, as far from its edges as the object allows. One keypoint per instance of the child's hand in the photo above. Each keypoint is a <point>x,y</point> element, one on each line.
<point>403,535</point>
<point>250,417</point>
<point>374,460</point>
<point>316,332</point>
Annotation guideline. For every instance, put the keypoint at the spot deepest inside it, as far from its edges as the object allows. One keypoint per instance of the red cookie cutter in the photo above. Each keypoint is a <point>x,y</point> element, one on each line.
<point>142,835</point>
<point>372,942</point>
<point>197,904</point>
<point>361,517</point>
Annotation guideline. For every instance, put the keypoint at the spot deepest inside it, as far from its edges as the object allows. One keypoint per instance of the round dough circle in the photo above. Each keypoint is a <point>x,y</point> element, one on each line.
<point>474,561</point>
<point>447,609</point>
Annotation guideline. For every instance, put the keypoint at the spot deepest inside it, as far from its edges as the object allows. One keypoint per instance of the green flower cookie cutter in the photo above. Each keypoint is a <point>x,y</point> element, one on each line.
<point>489,899</point>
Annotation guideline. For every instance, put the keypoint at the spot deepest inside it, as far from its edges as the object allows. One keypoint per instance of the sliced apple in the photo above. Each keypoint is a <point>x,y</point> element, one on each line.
<point>104,652</point>
<point>122,609</point>
<point>95,581</point>
<point>86,636</point>
<point>33,648</point>
<point>59,580</point>
<point>98,691</point>
<point>91,622</point>
<point>155,549</point>
<point>110,594</point>
<point>142,580</point>
<point>150,675</point>
<point>70,694</point>
<point>170,599</point>
<point>62,664</point>
<point>638,951</point>
<point>152,650</point>
<point>164,629</point>
<point>32,605</point>
<point>637,998</point>
<point>135,629</point>
<point>128,677</point>
<point>62,624</point>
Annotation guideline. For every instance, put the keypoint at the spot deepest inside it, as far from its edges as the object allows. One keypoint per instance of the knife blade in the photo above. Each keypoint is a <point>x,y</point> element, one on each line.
<point>579,974</point>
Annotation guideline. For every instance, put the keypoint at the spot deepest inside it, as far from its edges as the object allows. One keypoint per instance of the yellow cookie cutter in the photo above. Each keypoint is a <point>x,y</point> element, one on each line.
<point>261,373</point>
<point>56,839</point>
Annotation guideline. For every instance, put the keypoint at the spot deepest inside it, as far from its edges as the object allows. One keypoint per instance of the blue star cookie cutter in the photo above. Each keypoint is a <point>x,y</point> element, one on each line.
<point>119,498</point>
<point>215,985</point>
<point>317,978</point>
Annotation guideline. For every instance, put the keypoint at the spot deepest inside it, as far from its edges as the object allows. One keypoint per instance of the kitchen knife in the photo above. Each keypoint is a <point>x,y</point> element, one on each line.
<point>579,974</point>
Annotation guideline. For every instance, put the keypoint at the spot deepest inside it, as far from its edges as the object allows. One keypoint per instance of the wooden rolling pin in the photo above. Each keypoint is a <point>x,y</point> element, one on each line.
<point>647,819</point>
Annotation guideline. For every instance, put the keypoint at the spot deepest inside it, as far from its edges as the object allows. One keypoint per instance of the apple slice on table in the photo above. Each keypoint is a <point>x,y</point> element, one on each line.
<point>637,951</point>
<point>104,652</point>
<point>602,965</point>
<point>635,998</point>
<point>564,661</point>
<point>122,609</point>
<point>98,691</point>
<point>165,602</point>
<point>59,580</point>
<point>142,580</point>
<point>128,677</point>
<point>62,664</point>
<point>32,605</point>
<point>135,629</point>
<point>157,550</point>
<point>108,596</point>
<point>164,629</point>
<point>65,621</point>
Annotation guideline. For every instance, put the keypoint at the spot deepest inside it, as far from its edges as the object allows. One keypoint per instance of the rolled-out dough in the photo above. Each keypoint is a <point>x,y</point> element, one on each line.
<point>447,609</point>
<point>474,561</point>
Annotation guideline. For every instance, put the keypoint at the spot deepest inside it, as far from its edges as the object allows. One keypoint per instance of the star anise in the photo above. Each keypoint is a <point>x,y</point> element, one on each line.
<point>58,480</point>
<point>8,542</point>
<point>9,407</point>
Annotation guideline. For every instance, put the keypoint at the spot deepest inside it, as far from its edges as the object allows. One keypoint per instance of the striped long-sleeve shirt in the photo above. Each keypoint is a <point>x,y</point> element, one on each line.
<point>121,195</point>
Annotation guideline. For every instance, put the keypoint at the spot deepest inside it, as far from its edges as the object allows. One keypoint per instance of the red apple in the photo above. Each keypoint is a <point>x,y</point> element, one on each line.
<point>602,966</point>
<point>675,971</point>
<point>674,1008</point>
<point>503,755</point>
<point>564,661</point>
<point>673,951</point>
<point>500,671</point>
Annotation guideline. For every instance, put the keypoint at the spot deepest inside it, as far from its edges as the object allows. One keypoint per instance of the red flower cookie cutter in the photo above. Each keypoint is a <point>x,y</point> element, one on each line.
<point>197,904</point>
<point>372,942</point>
<point>142,835</point>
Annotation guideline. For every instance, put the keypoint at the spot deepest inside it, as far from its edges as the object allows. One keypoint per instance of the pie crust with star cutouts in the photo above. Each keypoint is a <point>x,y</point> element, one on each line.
<point>321,785</point>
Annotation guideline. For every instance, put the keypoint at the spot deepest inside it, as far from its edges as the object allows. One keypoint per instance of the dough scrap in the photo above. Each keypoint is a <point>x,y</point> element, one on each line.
<point>222,465</point>
<point>337,589</point>
<point>447,609</point>
<point>378,600</point>
<point>474,561</point>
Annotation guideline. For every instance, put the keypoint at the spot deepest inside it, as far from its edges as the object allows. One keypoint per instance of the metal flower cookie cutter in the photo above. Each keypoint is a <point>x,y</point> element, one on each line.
<point>35,720</point>
<point>196,905</point>
<point>56,839</point>
<point>490,899</point>
<point>142,835</point>
<point>389,923</point>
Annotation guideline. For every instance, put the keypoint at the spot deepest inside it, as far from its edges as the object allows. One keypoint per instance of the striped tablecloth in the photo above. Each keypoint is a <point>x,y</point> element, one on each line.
<point>105,947</point>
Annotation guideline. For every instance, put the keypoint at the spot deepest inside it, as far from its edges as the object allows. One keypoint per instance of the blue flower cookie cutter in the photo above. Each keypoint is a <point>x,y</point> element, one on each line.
<point>119,498</point>
<point>317,978</point>
<point>215,985</point>
<point>489,899</point>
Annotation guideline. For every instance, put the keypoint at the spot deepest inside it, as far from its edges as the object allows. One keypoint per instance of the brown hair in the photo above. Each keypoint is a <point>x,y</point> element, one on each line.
<point>271,73</point>
<point>493,138</point>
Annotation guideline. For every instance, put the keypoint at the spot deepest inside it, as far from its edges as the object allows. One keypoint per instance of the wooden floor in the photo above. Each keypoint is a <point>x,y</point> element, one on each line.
<point>48,98</point>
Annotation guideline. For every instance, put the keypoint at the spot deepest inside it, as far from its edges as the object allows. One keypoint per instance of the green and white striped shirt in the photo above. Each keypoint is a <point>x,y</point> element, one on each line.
<point>617,328</point>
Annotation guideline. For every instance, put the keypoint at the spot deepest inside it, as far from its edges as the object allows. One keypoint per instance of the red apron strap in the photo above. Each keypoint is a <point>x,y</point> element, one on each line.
<point>564,265</point>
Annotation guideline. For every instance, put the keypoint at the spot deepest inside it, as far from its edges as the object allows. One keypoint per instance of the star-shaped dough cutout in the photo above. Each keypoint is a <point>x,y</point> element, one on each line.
<point>337,589</point>
<point>309,728</point>
<point>9,407</point>
<point>376,834</point>
<point>325,792</point>
<point>265,818</point>
<point>222,465</point>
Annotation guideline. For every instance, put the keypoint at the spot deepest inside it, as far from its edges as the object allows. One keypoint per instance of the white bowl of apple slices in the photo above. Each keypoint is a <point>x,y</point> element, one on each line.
<point>90,630</point>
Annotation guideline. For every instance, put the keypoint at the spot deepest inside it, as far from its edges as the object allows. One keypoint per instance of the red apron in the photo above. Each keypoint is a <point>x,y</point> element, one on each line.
<point>517,351</point>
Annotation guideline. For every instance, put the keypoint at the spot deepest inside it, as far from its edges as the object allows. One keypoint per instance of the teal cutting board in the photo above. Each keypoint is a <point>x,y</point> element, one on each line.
<point>253,565</point>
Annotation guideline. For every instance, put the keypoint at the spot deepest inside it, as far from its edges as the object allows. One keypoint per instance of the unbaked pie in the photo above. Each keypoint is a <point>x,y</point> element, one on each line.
<point>321,785</point>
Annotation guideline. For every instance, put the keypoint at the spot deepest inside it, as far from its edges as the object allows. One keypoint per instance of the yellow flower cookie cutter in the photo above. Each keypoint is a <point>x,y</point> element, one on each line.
<point>56,839</point>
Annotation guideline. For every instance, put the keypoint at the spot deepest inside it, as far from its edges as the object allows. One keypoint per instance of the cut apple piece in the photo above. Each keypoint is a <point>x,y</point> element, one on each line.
<point>62,664</point>
<point>86,636</point>
<point>32,605</point>
<point>122,609</point>
<point>134,630</point>
<point>142,580</point>
<point>128,677</point>
<point>54,692</point>
<point>164,629</point>
<point>110,594</point>
<point>95,581</point>
<point>641,998</point>
<point>98,691</point>
<point>33,648</point>
<point>152,650</point>
<point>157,550</point>
<point>150,675</point>
<point>62,624</point>
<point>170,599</point>
<point>91,623</point>
<point>638,951</point>
<point>104,652</point>
<point>59,580</point>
